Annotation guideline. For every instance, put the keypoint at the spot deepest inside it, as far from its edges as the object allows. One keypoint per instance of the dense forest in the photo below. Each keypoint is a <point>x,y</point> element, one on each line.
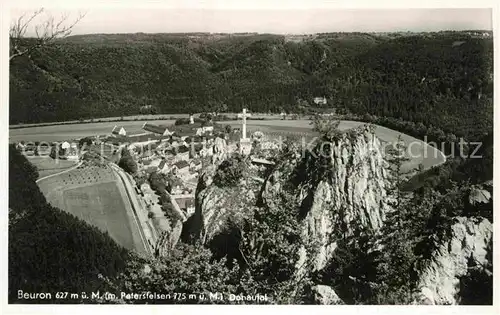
<point>441,80</point>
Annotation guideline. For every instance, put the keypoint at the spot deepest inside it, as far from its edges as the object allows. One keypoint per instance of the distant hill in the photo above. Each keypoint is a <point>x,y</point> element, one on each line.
<point>422,78</point>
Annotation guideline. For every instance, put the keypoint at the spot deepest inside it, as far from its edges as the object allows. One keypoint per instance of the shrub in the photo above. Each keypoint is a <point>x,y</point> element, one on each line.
<point>157,182</point>
<point>85,141</point>
<point>128,164</point>
<point>230,172</point>
<point>182,121</point>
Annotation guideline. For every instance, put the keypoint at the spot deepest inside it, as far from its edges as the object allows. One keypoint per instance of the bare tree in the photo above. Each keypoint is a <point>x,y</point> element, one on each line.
<point>45,33</point>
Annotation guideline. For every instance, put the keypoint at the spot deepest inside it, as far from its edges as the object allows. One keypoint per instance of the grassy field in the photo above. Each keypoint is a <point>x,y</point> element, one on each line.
<point>120,119</point>
<point>101,205</point>
<point>48,166</point>
<point>76,131</point>
<point>95,195</point>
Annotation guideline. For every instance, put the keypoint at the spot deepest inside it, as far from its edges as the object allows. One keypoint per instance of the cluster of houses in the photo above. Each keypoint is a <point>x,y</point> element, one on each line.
<point>64,150</point>
<point>175,150</point>
<point>162,131</point>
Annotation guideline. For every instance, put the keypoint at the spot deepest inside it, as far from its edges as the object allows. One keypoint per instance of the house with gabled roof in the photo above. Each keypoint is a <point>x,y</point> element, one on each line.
<point>181,167</point>
<point>195,164</point>
<point>205,130</point>
<point>320,100</point>
<point>182,153</point>
<point>159,130</point>
<point>118,131</point>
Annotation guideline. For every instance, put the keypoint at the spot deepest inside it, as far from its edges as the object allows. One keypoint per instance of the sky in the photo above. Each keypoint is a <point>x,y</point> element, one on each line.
<point>133,19</point>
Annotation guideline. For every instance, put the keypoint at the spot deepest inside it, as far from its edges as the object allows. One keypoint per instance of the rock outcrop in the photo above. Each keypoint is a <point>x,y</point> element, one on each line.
<point>439,281</point>
<point>334,194</point>
<point>219,208</point>
<point>325,295</point>
<point>337,192</point>
<point>220,150</point>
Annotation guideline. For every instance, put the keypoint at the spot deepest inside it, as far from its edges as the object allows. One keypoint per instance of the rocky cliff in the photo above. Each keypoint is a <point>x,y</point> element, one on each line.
<point>219,209</point>
<point>340,186</point>
<point>439,281</point>
<point>336,187</point>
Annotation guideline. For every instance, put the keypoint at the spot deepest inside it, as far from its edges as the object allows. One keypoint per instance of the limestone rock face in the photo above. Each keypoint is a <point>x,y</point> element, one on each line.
<point>440,278</point>
<point>325,295</point>
<point>168,239</point>
<point>336,193</point>
<point>333,195</point>
<point>220,150</point>
<point>216,208</point>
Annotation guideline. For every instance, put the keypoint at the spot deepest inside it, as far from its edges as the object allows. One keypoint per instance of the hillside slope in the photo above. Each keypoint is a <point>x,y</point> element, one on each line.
<point>425,78</point>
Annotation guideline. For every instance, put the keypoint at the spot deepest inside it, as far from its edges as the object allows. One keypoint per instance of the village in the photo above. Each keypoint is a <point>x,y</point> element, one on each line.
<point>159,167</point>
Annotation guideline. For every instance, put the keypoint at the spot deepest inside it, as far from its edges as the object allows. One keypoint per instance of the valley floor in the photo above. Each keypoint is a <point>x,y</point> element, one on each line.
<point>421,153</point>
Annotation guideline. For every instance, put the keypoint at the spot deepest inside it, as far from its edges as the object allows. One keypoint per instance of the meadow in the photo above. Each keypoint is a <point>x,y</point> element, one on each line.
<point>47,166</point>
<point>76,131</point>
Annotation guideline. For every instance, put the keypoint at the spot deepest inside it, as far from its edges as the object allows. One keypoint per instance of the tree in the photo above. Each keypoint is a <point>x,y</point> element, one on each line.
<point>352,269</point>
<point>46,32</point>
<point>187,270</point>
<point>158,182</point>
<point>230,172</point>
<point>269,247</point>
<point>87,141</point>
<point>326,126</point>
<point>127,162</point>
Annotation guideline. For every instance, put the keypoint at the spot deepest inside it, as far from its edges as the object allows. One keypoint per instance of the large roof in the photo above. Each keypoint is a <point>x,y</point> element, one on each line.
<point>162,164</point>
<point>182,164</point>
<point>117,129</point>
<point>154,128</point>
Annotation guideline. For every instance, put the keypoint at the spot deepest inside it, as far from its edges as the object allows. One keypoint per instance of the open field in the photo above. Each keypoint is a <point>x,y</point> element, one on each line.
<point>95,195</point>
<point>118,120</point>
<point>76,131</point>
<point>48,166</point>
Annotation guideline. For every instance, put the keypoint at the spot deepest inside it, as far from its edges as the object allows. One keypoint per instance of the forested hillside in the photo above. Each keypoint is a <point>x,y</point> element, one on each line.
<point>439,79</point>
<point>51,250</point>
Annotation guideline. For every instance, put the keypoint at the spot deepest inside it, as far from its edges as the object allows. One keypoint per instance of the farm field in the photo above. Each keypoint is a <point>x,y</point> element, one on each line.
<point>95,195</point>
<point>48,166</point>
<point>157,117</point>
<point>76,131</point>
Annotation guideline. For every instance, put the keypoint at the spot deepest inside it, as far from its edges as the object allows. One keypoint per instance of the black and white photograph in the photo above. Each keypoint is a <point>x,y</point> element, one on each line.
<point>317,155</point>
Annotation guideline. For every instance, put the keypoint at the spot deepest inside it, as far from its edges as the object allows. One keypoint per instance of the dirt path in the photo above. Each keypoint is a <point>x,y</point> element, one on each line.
<point>56,174</point>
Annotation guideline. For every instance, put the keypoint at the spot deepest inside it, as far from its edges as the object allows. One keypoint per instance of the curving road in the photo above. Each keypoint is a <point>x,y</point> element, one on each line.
<point>136,208</point>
